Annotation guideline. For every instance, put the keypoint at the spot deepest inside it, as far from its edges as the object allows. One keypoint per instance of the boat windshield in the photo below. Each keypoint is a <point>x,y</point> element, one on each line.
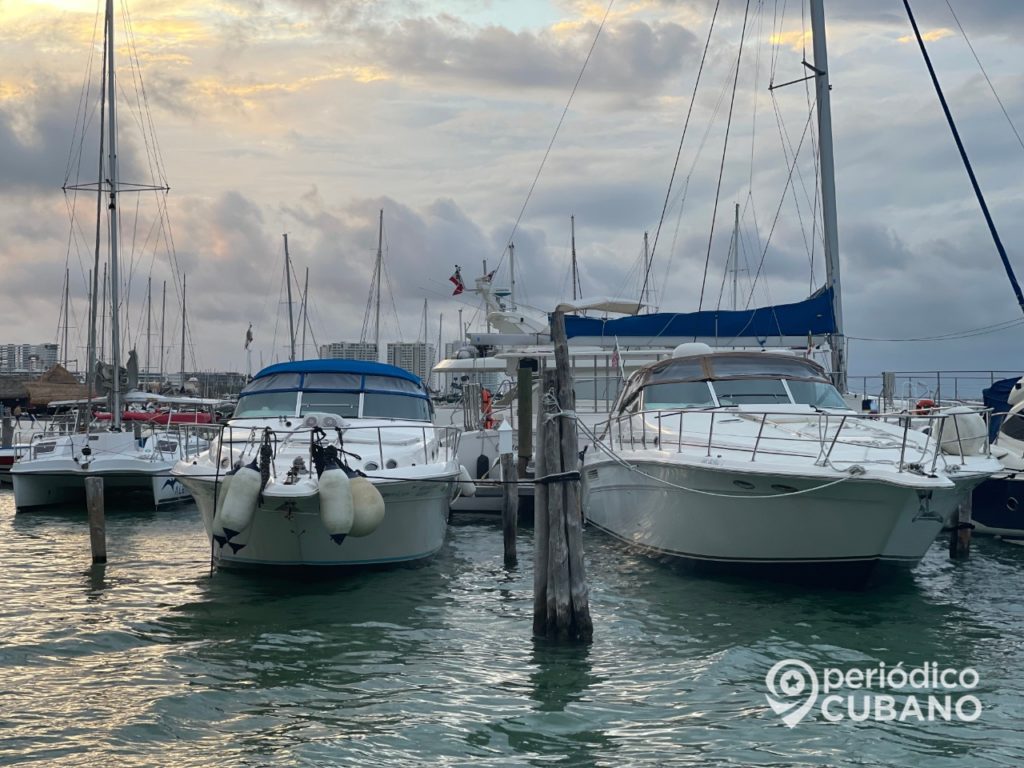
<point>746,391</point>
<point>265,405</point>
<point>382,406</point>
<point>344,404</point>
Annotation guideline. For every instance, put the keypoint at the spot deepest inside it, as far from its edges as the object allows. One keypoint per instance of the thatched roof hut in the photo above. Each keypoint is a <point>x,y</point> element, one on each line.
<point>12,391</point>
<point>56,384</point>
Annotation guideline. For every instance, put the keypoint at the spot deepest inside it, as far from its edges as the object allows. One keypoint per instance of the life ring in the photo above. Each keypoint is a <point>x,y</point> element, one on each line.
<point>486,409</point>
<point>924,407</point>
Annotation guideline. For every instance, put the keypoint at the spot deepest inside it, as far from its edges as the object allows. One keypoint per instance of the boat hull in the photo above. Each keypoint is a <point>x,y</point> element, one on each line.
<point>998,506</point>
<point>847,532</point>
<point>63,482</point>
<point>287,531</point>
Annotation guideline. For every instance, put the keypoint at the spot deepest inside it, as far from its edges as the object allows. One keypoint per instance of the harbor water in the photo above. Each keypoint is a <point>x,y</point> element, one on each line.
<point>150,661</point>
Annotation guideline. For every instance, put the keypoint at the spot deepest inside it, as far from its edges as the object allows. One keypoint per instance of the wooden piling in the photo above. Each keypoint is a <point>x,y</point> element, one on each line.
<point>509,508</point>
<point>524,395</point>
<point>960,536</point>
<point>7,432</point>
<point>563,601</point>
<point>97,519</point>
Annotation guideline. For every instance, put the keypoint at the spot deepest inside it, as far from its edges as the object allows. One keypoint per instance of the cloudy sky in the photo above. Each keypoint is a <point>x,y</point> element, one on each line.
<point>308,117</point>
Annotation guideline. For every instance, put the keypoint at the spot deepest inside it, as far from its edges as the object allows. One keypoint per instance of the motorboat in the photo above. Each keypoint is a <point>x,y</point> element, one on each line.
<point>134,462</point>
<point>752,461</point>
<point>997,507</point>
<point>327,463</point>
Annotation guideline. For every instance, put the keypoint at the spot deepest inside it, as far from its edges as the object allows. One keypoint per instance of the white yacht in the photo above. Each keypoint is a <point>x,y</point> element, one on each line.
<point>752,461</point>
<point>327,463</point>
<point>134,462</point>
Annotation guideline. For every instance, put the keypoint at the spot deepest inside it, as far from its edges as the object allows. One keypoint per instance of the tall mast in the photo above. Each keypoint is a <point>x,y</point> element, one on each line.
<point>736,257</point>
<point>380,264</point>
<point>149,320</point>
<point>512,272</point>
<point>646,291</point>
<point>67,287</point>
<point>163,325</point>
<point>305,313</point>
<point>575,274</point>
<point>103,316</point>
<point>115,330</point>
<point>828,190</point>
<point>291,320</point>
<point>183,331</point>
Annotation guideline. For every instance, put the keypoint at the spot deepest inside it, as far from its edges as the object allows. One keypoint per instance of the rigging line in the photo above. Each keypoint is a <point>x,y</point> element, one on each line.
<point>784,139</point>
<point>679,150</point>
<point>561,119</point>
<point>967,163</point>
<point>983,72</point>
<point>757,75</point>
<point>778,210</point>
<point>954,335</point>
<point>721,167</point>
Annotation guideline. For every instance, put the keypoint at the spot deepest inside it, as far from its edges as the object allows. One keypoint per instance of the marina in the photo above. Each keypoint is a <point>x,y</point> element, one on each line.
<point>709,451</point>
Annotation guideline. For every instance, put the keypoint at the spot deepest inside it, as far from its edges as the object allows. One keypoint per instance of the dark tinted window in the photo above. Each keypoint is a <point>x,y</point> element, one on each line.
<point>331,381</point>
<point>392,383</point>
<point>395,407</point>
<point>763,365</point>
<point>1013,427</point>
<point>684,368</point>
<point>751,392</point>
<point>276,381</point>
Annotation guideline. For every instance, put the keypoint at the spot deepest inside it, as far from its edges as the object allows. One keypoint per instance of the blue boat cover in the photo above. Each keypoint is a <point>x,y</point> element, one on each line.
<point>813,315</point>
<point>997,397</point>
<point>358,367</point>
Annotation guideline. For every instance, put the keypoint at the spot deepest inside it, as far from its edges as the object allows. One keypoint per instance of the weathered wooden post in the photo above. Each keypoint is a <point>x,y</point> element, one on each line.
<point>97,519</point>
<point>564,601</point>
<point>960,536</point>
<point>524,393</point>
<point>7,433</point>
<point>509,494</point>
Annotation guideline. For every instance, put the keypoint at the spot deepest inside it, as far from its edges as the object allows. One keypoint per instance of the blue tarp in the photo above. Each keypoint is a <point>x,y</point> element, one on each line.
<point>996,397</point>
<point>813,315</point>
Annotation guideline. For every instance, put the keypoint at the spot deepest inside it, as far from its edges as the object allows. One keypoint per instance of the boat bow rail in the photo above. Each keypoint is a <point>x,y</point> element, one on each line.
<point>391,446</point>
<point>917,446</point>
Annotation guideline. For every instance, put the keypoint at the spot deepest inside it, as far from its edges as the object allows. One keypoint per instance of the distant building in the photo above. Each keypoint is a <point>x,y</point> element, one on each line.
<point>414,356</point>
<point>27,358</point>
<point>349,350</point>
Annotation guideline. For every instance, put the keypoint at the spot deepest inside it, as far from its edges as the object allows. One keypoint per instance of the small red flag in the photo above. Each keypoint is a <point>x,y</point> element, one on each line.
<point>456,280</point>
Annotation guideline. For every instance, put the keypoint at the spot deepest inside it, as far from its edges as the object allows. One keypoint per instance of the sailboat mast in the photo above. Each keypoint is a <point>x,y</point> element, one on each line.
<point>647,267</point>
<point>828,190</point>
<point>115,330</point>
<point>380,264</point>
<point>575,275</point>
<point>183,332</point>
<point>305,311</point>
<point>288,281</point>
<point>736,258</point>
<point>149,320</point>
<point>512,272</point>
<point>163,326</point>
<point>103,316</point>
<point>67,287</point>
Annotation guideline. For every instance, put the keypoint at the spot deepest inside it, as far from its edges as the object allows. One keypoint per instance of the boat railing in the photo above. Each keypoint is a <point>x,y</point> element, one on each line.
<point>946,435</point>
<point>437,443</point>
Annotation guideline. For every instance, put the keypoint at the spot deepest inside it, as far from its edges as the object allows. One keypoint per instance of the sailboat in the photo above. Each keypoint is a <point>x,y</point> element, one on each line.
<point>752,461</point>
<point>54,467</point>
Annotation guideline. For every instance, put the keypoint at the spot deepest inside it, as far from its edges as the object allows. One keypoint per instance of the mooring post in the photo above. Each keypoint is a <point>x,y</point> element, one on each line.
<point>509,494</point>
<point>524,394</point>
<point>97,519</point>
<point>565,600</point>
<point>7,433</point>
<point>960,536</point>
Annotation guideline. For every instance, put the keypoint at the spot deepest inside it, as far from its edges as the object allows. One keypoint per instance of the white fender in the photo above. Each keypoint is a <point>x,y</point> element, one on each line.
<point>369,507</point>
<point>217,528</point>
<point>466,485</point>
<point>239,505</point>
<point>336,504</point>
<point>969,427</point>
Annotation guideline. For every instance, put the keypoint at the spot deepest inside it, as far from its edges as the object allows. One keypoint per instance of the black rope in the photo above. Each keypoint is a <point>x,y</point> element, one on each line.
<point>558,477</point>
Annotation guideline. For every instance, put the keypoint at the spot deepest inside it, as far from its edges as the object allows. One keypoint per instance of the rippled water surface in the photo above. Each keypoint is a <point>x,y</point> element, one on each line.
<point>150,661</point>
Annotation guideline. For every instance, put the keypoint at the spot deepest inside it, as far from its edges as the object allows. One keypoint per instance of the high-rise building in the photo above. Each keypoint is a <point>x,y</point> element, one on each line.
<point>27,358</point>
<point>349,350</point>
<point>414,356</point>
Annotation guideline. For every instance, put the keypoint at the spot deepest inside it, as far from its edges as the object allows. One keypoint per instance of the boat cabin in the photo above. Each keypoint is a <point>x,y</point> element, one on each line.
<point>722,379</point>
<point>352,389</point>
